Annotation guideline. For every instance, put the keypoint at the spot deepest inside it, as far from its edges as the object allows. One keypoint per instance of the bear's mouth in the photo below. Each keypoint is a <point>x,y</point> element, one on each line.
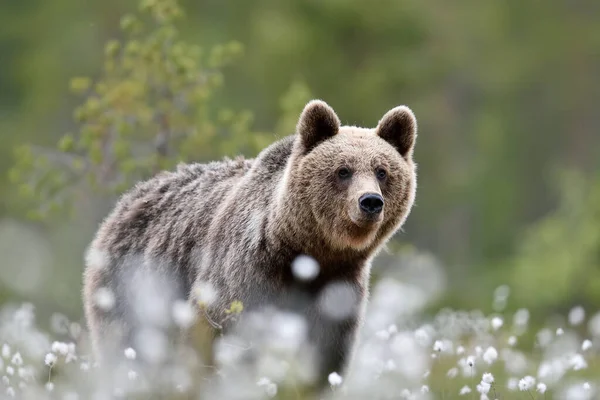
<point>367,222</point>
<point>361,232</point>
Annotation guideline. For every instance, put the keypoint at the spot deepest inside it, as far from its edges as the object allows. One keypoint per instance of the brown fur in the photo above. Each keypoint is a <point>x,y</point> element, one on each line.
<point>238,225</point>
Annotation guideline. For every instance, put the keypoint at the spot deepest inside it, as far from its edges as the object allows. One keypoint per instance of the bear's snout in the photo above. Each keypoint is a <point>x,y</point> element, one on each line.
<point>371,203</point>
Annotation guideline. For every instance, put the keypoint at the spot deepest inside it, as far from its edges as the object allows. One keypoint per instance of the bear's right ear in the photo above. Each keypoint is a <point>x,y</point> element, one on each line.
<point>318,122</point>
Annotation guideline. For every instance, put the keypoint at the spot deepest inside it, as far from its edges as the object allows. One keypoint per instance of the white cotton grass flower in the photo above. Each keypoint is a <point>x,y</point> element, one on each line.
<point>541,387</point>
<point>560,332</point>
<point>452,372</point>
<point>487,378</point>
<point>25,373</point>
<point>484,387</point>
<point>305,268</point>
<point>512,341</point>
<point>467,366</point>
<point>497,323</point>
<point>269,387</point>
<point>576,315</point>
<point>271,390</point>
<point>130,353</point>
<point>183,314</point>
<point>586,345</point>
<point>422,337</point>
<point>59,323</point>
<point>10,371</point>
<point>382,334</point>
<point>460,350</point>
<point>10,392</point>
<point>334,379</point>
<point>552,371</point>
<point>526,383</point>
<point>263,381</point>
<point>521,317</point>
<point>6,352</point>
<point>594,325</point>
<point>579,391</point>
<point>72,354</point>
<point>74,330</point>
<point>338,301</point>
<point>60,348</point>
<point>577,362</point>
<point>17,359</point>
<point>205,293</point>
<point>50,359</point>
<point>545,337</point>
<point>132,375</point>
<point>478,351</point>
<point>464,390</point>
<point>96,258</point>
<point>49,386</point>
<point>471,361</point>
<point>438,346</point>
<point>512,384</point>
<point>515,362</point>
<point>501,294</point>
<point>490,355</point>
<point>104,298</point>
<point>424,389</point>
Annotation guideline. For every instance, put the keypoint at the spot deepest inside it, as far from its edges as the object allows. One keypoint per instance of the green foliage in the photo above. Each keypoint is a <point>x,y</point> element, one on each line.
<point>291,104</point>
<point>150,109</point>
<point>558,259</point>
<point>236,308</point>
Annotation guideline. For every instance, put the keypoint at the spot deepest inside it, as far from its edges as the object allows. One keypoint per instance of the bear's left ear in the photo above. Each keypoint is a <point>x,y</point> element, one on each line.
<point>318,122</point>
<point>398,127</point>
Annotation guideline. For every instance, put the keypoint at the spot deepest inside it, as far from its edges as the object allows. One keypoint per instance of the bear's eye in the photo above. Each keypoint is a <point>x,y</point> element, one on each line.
<point>381,173</point>
<point>344,172</point>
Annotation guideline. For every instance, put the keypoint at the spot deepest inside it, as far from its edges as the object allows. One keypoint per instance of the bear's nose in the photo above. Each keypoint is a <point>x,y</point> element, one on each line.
<point>371,203</point>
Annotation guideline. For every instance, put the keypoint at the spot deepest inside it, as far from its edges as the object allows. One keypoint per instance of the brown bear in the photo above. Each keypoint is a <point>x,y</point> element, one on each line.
<point>330,192</point>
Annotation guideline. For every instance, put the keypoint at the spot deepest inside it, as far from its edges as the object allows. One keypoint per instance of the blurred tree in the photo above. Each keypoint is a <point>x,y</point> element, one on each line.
<point>558,259</point>
<point>148,111</point>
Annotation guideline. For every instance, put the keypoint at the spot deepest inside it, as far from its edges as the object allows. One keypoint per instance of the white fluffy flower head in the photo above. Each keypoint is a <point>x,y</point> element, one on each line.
<point>335,379</point>
<point>50,359</point>
<point>487,378</point>
<point>526,383</point>
<point>490,355</point>
<point>497,323</point>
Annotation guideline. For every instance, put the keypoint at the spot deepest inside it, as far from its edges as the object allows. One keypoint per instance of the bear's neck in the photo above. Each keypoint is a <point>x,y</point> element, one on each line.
<point>293,231</point>
<point>334,265</point>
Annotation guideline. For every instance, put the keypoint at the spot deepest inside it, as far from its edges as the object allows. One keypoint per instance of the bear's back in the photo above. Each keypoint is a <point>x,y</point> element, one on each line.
<point>168,215</point>
<point>161,215</point>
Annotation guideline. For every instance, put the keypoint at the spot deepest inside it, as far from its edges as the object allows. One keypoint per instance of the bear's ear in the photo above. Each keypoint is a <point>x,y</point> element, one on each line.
<point>318,122</point>
<point>398,127</point>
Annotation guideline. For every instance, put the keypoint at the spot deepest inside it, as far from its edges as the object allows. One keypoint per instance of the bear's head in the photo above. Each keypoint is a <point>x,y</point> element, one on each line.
<point>356,184</point>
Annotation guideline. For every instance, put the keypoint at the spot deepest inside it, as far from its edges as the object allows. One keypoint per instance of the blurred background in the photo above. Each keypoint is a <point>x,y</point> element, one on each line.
<point>506,95</point>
